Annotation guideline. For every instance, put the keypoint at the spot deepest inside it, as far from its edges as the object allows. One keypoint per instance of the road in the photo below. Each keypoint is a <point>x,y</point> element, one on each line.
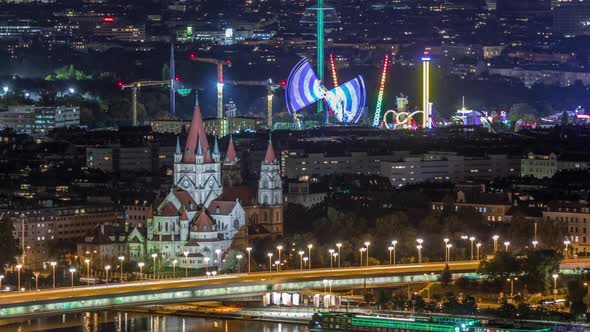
<point>149,286</point>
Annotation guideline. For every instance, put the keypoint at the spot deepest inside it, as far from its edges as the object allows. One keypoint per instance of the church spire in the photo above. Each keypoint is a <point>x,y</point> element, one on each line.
<point>196,135</point>
<point>178,150</point>
<point>231,157</point>
<point>270,157</point>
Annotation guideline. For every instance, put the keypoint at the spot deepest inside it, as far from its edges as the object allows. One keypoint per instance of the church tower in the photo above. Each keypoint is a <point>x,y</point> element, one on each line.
<point>197,171</point>
<point>232,174</point>
<point>270,185</point>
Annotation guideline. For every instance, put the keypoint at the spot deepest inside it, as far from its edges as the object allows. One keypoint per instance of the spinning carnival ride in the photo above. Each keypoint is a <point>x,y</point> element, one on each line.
<point>303,89</point>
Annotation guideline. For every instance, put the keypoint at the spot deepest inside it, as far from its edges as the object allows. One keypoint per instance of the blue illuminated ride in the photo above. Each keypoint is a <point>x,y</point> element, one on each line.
<point>303,89</point>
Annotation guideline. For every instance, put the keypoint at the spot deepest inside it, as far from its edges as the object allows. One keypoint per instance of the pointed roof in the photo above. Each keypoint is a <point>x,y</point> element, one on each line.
<point>216,147</point>
<point>178,150</point>
<point>270,157</point>
<point>196,135</point>
<point>231,156</point>
<point>183,216</point>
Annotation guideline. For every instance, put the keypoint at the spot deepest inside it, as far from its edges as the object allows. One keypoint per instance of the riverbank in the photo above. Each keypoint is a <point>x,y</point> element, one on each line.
<point>215,310</point>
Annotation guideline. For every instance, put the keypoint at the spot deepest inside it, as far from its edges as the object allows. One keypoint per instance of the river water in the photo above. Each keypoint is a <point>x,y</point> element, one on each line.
<point>132,322</point>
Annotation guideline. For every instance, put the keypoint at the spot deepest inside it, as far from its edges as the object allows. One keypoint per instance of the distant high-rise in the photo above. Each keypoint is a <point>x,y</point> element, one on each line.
<point>572,18</point>
<point>533,7</point>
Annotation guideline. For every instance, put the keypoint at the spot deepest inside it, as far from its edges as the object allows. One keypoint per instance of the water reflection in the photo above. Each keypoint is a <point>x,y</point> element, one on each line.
<point>109,321</point>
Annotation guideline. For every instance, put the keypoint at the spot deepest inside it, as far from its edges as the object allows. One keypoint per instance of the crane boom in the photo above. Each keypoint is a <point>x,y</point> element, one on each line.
<point>220,64</point>
<point>270,88</point>
<point>134,86</point>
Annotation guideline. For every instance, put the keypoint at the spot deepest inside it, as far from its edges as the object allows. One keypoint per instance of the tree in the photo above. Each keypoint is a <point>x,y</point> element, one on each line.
<point>507,310</point>
<point>575,297</point>
<point>502,266</point>
<point>446,277</point>
<point>538,267</point>
<point>232,261</point>
<point>9,249</point>
<point>469,305</point>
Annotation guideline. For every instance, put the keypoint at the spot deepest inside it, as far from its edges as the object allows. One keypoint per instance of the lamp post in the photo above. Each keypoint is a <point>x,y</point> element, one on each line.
<point>206,259</point>
<point>471,239</point>
<point>121,258</point>
<point>555,286</point>
<point>218,252</point>
<point>477,246</point>
<point>154,256</point>
<point>495,238</point>
<point>301,252</point>
<point>367,244</point>
<point>36,274</point>
<point>511,280</point>
<point>309,247</point>
<point>174,262</point>
<point>305,259</point>
<point>1,277</point>
<point>72,270</point>
<point>506,245</point>
<point>107,268</point>
<point>239,257</point>
<point>446,241</point>
<point>53,264</point>
<point>185,263</point>
<point>269,262</point>
<point>279,249</point>
<point>331,252</point>
<point>140,264</point>
<point>362,251</point>
<point>419,247</point>
<point>390,248</point>
<point>277,263</point>
<point>567,243</point>
<point>394,244</point>
<point>335,255</point>
<point>535,243</point>
<point>18,267</point>
<point>87,261</point>
<point>449,246</point>
<point>249,250</point>
<point>338,245</point>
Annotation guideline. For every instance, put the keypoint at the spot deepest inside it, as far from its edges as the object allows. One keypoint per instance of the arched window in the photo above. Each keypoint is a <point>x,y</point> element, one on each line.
<point>265,184</point>
<point>166,227</point>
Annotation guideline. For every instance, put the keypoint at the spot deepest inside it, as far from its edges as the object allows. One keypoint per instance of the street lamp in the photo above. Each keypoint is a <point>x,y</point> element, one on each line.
<point>305,259</point>
<point>140,264</point>
<point>207,259</point>
<point>394,243</point>
<point>511,280</point>
<point>107,268</point>
<point>174,262</point>
<point>277,263</point>
<point>335,255</point>
<point>495,238</point>
<point>279,248</point>
<point>338,245</point>
<point>87,261</point>
<point>72,270</point>
<point>1,277</point>
<point>309,246</point>
<point>449,246</point>
<point>301,252</point>
<point>477,246</point>
<point>269,262</point>
<point>185,263</point>
<point>218,252</point>
<point>367,244</point>
<point>362,251</point>
<point>506,245</point>
<point>53,264</point>
<point>567,243</point>
<point>239,257</point>
<point>390,248</point>
<point>419,247</point>
<point>446,246</point>
<point>471,239</point>
<point>331,251</point>
<point>18,267</point>
<point>121,258</point>
<point>535,243</point>
<point>555,286</point>
<point>36,274</point>
<point>154,256</point>
<point>249,250</point>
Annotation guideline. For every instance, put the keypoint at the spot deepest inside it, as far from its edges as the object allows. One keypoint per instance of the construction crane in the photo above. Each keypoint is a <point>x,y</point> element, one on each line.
<point>134,87</point>
<point>270,88</point>
<point>220,64</point>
